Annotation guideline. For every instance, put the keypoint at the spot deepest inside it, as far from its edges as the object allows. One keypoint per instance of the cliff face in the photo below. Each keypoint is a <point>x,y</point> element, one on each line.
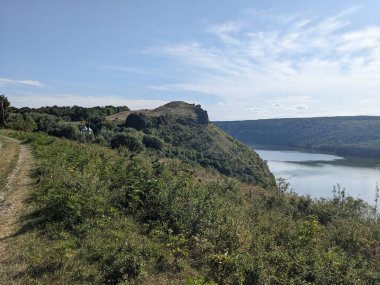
<point>183,110</point>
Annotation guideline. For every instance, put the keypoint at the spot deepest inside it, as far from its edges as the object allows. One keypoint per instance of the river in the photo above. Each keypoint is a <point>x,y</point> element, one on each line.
<point>315,174</point>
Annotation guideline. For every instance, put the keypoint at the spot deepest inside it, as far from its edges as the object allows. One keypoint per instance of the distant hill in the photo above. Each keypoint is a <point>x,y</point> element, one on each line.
<point>178,109</point>
<point>350,136</point>
<point>187,134</point>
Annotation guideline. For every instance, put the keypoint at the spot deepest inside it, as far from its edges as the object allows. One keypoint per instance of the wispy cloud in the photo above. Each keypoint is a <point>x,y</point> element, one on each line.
<point>323,58</point>
<point>7,81</point>
<point>257,110</point>
<point>226,30</point>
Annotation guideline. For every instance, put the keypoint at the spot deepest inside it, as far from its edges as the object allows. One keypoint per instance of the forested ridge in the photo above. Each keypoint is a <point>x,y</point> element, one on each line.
<point>348,136</point>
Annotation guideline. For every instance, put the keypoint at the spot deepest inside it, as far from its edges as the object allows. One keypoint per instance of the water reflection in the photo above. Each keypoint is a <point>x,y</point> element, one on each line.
<point>316,174</point>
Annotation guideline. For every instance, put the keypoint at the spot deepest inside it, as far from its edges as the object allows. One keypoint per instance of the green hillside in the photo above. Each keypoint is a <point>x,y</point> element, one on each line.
<point>350,136</point>
<point>175,130</point>
<point>102,216</point>
<point>187,134</point>
<point>154,197</point>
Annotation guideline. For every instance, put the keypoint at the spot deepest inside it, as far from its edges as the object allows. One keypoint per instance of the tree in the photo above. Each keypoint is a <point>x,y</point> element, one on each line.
<point>21,122</point>
<point>16,122</point>
<point>137,121</point>
<point>129,141</point>
<point>4,106</point>
<point>152,142</point>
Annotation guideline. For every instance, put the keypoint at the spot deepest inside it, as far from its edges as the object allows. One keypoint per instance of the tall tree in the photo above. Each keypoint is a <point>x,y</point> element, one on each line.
<point>4,106</point>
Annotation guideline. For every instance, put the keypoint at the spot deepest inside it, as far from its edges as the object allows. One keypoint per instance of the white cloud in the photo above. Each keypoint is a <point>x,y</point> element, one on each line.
<point>223,31</point>
<point>298,108</point>
<point>278,105</point>
<point>7,81</point>
<point>269,15</point>
<point>256,110</point>
<point>335,65</point>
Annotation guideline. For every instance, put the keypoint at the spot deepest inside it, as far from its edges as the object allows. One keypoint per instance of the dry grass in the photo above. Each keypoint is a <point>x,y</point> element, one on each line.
<point>15,166</point>
<point>8,157</point>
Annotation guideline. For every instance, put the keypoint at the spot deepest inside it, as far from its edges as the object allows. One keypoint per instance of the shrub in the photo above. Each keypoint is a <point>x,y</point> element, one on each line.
<point>21,122</point>
<point>137,121</point>
<point>129,141</point>
<point>152,142</point>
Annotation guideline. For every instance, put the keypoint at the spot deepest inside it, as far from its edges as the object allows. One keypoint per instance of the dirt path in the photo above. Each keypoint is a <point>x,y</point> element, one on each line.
<point>16,161</point>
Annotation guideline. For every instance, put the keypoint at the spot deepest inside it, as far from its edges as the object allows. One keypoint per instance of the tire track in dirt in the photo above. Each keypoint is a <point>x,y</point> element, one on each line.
<point>14,194</point>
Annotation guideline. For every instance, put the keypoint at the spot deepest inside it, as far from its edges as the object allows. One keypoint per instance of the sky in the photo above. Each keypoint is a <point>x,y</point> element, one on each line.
<point>238,59</point>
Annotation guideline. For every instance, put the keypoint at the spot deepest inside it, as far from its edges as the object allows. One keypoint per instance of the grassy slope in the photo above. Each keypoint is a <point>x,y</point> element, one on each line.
<point>8,158</point>
<point>103,217</point>
<point>205,144</point>
<point>15,165</point>
<point>220,151</point>
<point>355,136</point>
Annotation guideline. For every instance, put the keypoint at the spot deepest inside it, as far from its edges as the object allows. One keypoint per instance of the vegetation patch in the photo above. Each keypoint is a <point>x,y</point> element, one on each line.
<point>103,216</point>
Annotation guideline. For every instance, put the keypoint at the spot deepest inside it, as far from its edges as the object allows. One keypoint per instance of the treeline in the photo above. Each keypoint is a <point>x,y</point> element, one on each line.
<point>101,216</point>
<point>351,136</point>
<point>74,113</point>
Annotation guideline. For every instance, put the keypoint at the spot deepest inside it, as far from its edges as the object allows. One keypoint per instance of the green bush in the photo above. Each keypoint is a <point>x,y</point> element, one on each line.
<point>152,142</point>
<point>21,122</point>
<point>131,142</point>
<point>137,121</point>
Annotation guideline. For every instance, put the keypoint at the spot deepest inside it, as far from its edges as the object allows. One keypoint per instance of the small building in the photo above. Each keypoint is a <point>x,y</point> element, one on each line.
<point>86,130</point>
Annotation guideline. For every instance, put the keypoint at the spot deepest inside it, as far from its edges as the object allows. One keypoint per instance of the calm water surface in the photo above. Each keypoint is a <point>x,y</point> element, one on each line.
<point>315,174</point>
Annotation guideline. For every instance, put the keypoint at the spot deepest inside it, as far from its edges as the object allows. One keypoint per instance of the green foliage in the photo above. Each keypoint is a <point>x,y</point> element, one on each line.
<point>21,122</point>
<point>353,136</point>
<point>101,218</point>
<point>74,113</point>
<point>152,142</point>
<point>199,281</point>
<point>137,121</point>
<point>183,127</point>
<point>4,110</point>
<point>211,147</point>
<point>131,142</point>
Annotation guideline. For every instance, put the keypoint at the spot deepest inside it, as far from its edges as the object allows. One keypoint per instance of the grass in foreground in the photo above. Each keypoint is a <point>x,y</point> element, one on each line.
<point>106,217</point>
<point>13,192</point>
<point>8,158</point>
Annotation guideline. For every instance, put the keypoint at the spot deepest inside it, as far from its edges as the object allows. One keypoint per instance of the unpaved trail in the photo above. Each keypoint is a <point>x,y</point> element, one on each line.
<point>16,162</point>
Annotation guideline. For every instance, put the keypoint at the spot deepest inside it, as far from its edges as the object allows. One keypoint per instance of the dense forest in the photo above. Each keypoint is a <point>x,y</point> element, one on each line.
<point>347,136</point>
<point>165,197</point>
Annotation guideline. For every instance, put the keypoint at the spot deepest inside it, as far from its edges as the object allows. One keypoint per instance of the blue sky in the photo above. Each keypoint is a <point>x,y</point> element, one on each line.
<point>238,59</point>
